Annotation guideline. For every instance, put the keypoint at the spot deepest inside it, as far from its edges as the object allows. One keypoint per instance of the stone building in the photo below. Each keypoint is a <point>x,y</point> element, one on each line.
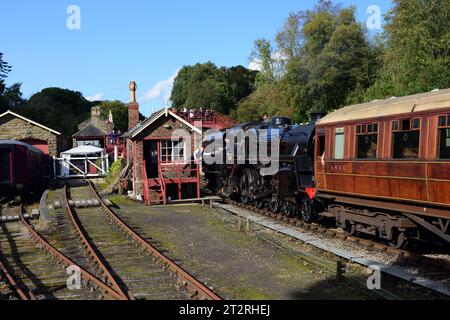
<point>94,131</point>
<point>16,127</point>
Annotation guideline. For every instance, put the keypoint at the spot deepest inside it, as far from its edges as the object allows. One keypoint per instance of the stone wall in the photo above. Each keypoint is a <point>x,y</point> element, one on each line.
<point>13,128</point>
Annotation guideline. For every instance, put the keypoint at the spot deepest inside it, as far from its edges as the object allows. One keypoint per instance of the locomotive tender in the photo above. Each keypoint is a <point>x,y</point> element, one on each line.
<point>379,168</point>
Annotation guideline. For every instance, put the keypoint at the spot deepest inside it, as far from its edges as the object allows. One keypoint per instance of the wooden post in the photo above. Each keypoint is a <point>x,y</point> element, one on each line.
<point>107,162</point>
<point>179,180</point>
<point>198,178</point>
<point>340,270</point>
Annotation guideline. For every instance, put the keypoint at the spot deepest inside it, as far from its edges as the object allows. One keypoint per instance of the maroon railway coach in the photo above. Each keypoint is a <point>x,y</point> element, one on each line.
<point>383,168</point>
<point>24,169</point>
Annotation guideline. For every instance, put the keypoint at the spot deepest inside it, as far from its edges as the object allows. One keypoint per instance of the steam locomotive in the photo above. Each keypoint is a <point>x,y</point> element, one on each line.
<point>380,168</point>
<point>243,173</point>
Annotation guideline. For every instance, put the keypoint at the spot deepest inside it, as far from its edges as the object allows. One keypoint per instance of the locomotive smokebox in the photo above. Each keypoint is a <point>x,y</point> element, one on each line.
<point>280,122</point>
<point>316,116</point>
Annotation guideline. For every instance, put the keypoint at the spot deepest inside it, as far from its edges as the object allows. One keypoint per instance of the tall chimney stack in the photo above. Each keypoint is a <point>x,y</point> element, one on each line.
<point>133,107</point>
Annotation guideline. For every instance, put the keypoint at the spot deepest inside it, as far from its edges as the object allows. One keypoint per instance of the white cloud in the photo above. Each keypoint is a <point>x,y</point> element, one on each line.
<point>255,64</point>
<point>96,97</point>
<point>162,89</point>
<point>278,59</point>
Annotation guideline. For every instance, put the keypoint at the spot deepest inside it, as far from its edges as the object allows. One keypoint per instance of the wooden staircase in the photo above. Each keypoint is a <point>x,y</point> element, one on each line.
<point>155,189</point>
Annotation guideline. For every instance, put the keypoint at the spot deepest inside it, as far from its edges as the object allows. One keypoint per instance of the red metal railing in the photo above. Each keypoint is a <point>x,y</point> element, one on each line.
<point>208,119</point>
<point>119,143</point>
<point>180,171</point>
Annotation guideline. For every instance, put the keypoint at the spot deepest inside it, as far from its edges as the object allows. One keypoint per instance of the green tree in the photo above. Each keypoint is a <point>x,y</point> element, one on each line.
<point>240,82</point>
<point>119,111</point>
<point>208,87</point>
<point>59,109</point>
<point>10,97</point>
<point>327,62</point>
<point>289,39</point>
<point>264,55</point>
<point>417,41</point>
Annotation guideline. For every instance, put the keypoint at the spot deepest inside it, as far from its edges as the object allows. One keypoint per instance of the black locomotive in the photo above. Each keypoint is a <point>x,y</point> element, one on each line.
<point>252,171</point>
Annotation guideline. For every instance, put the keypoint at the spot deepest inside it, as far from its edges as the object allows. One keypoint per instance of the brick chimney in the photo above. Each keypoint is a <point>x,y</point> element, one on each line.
<point>95,116</point>
<point>133,107</point>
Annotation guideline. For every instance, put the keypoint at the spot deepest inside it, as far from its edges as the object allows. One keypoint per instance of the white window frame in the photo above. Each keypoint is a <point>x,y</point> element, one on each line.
<point>174,155</point>
<point>339,144</point>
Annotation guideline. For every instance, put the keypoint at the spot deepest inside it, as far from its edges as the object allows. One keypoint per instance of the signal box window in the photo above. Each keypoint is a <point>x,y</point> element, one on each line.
<point>444,137</point>
<point>172,151</point>
<point>339,144</point>
<point>406,138</point>
<point>366,141</point>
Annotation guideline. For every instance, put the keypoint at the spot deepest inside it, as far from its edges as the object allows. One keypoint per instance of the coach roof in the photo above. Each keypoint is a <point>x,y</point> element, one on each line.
<point>436,99</point>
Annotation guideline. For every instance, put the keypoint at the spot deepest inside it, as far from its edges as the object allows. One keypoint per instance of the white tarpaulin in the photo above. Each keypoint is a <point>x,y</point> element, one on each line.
<point>83,150</point>
<point>82,161</point>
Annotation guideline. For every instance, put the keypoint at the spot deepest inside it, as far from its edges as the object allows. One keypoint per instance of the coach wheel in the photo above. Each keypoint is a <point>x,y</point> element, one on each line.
<point>307,211</point>
<point>399,240</point>
<point>350,229</point>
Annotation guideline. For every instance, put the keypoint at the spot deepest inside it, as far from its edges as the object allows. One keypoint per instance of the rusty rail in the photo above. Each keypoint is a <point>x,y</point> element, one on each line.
<point>192,285</point>
<point>106,291</point>
<point>23,294</point>
<point>105,273</point>
<point>22,291</point>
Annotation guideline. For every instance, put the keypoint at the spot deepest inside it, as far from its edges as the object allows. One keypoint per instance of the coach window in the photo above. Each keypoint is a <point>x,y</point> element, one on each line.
<point>321,145</point>
<point>339,144</point>
<point>366,141</point>
<point>444,137</point>
<point>405,138</point>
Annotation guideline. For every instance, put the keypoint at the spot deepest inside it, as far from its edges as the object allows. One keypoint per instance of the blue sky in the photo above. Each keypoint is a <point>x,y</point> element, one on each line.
<point>145,41</point>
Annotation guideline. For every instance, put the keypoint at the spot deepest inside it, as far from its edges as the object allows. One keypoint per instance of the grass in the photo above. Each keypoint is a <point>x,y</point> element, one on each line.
<point>230,231</point>
<point>119,200</point>
<point>165,241</point>
<point>249,293</point>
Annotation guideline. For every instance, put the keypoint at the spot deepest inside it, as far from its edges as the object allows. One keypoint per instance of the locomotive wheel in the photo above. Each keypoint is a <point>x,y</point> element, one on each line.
<point>306,211</point>
<point>244,189</point>
<point>259,204</point>
<point>286,209</point>
<point>275,206</point>
<point>399,240</point>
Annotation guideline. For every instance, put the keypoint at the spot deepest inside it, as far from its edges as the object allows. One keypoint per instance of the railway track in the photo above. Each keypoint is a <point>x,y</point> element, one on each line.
<point>130,264</point>
<point>17,288</point>
<point>421,270</point>
<point>403,255</point>
<point>36,270</point>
